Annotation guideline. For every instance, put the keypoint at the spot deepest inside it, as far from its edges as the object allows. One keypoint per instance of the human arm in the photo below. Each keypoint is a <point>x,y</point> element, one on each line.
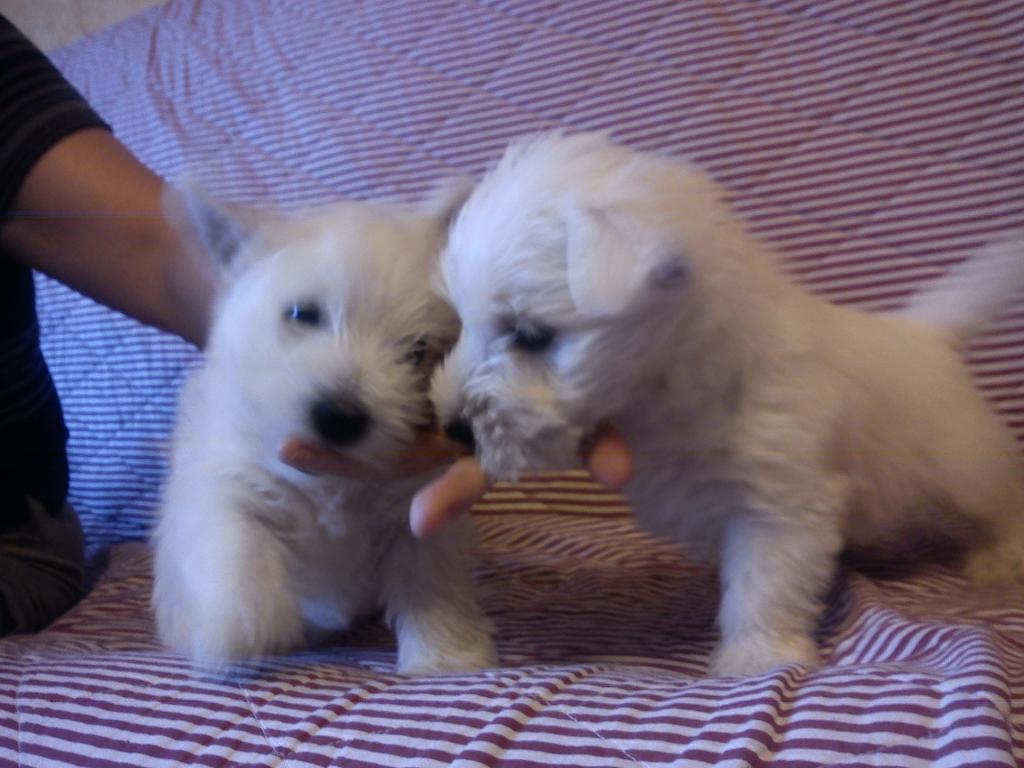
<point>77,205</point>
<point>90,215</point>
<point>119,250</point>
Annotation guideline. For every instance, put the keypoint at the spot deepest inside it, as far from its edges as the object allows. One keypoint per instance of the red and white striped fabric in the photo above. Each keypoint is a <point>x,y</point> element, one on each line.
<point>873,142</point>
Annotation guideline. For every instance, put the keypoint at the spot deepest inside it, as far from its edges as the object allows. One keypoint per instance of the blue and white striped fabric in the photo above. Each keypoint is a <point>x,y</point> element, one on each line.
<point>872,142</point>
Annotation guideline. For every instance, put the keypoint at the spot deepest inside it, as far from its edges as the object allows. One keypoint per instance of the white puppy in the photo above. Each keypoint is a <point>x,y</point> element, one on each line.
<point>769,428</point>
<point>326,327</point>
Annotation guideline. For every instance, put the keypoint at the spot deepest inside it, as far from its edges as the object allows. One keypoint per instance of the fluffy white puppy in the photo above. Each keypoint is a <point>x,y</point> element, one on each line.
<point>327,327</point>
<point>769,428</point>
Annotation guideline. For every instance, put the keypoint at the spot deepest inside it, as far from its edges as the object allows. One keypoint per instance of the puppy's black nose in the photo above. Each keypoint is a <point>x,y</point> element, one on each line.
<point>339,422</point>
<point>461,432</point>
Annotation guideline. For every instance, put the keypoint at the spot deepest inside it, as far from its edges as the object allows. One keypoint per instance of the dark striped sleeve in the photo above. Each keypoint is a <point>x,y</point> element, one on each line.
<point>38,108</point>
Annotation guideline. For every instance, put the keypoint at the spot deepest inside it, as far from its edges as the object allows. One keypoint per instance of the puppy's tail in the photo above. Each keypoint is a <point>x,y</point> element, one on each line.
<point>973,292</point>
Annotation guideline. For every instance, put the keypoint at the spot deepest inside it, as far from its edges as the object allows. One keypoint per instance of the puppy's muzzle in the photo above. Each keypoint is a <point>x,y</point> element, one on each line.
<point>340,422</point>
<point>461,431</point>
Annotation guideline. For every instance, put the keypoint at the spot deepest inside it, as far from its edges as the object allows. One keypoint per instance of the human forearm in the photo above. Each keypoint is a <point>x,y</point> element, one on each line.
<point>90,215</point>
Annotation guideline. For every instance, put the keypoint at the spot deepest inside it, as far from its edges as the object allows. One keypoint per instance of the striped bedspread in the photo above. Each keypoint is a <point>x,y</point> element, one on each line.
<point>872,142</point>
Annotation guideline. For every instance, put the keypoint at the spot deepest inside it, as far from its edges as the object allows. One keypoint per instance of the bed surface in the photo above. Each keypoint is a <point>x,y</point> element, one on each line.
<point>872,143</point>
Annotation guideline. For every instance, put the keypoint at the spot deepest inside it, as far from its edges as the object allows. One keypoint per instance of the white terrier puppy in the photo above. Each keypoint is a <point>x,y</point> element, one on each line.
<point>327,327</point>
<point>769,428</point>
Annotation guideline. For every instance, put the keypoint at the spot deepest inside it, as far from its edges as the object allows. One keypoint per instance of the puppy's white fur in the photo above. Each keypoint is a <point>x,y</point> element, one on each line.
<point>769,428</point>
<point>253,556</point>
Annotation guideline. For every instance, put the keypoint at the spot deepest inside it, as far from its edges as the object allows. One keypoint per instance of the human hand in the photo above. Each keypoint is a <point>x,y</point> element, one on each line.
<point>607,457</point>
<point>428,451</point>
<point>440,502</point>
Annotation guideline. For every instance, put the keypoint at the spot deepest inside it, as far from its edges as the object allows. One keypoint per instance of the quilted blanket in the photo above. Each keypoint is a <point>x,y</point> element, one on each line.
<point>873,143</point>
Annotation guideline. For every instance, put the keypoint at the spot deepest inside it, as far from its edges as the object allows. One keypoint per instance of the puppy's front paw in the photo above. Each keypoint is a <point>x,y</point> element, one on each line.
<point>448,661</point>
<point>758,654</point>
<point>997,564</point>
<point>251,633</point>
<point>220,627</point>
<point>446,647</point>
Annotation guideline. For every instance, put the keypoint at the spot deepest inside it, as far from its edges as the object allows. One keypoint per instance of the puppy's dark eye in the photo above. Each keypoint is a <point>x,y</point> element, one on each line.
<point>304,314</point>
<point>532,338</point>
<point>417,352</point>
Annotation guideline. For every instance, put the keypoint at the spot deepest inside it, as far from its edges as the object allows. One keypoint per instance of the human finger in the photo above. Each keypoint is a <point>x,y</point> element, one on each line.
<point>446,498</point>
<point>609,459</point>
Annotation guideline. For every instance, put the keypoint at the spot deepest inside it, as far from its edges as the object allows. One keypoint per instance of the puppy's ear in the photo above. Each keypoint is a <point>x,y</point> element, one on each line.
<point>216,230</point>
<point>447,198</point>
<point>610,265</point>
